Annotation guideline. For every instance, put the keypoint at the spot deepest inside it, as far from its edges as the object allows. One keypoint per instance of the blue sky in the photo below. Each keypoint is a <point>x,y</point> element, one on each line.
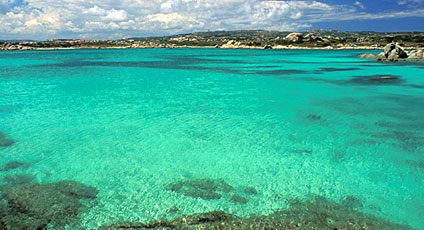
<point>103,19</point>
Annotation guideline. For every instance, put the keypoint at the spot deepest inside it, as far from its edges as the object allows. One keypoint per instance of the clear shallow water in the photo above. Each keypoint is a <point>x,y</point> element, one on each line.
<point>289,123</point>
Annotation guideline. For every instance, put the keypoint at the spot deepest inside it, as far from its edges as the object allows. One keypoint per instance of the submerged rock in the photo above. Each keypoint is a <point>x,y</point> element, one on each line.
<point>18,179</point>
<point>209,220</point>
<point>300,151</point>
<point>377,80</point>
<point>367,56</point>
<point>250,190</point>
<point>4,141</point>
<point>174,209</point>
<point>351,202</point>
<point>238,199</point>
<point>14,165</point>
<point>416,164</point>
<point>408,141</point>
<point>314,117</point>
<point>318,213</point>
<point>202,188</point>
<point>75,189</point>
<point>34,206</point>
<point>200,193</point>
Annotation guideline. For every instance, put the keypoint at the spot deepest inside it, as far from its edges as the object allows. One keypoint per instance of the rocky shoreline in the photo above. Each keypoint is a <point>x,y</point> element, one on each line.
<point>226,46</point>
<point>240,39</point>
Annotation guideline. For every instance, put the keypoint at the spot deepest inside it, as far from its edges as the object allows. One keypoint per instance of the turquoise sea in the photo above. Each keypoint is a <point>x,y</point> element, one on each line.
<point>288,123</point>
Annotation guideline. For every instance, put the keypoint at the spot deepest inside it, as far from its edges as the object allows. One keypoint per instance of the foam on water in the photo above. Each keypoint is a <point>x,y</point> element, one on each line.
<point>288,123</point>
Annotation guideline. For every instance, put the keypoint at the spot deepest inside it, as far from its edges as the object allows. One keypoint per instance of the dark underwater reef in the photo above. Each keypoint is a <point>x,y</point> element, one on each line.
<point>318,213</point>
<point>14,165</point>
<point>4,141</point>
<point>36,206</point>
<point>56,205</point>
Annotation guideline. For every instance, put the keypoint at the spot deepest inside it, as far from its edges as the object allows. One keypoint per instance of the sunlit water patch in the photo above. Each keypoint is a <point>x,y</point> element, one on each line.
<point>160,133</point>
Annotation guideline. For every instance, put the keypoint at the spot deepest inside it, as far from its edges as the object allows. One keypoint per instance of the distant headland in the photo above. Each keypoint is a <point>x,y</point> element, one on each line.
<point>240,39</point>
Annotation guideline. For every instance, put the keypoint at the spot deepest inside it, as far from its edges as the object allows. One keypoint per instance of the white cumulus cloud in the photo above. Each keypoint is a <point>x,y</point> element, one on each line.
<point>41,19</point>
<point>414,2</point>
<point>359,4</point>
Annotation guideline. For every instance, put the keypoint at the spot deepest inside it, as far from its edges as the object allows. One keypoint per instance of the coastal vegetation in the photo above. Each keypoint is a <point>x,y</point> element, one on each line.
<point>237,39</point>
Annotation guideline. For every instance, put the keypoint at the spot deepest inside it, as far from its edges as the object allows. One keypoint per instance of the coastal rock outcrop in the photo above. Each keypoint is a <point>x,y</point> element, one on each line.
<point>268,47</point>
<point>294,37</point>
<point>311,38</point>
<point>380,56</point>
<point>11,46</point>
<point>2,45</point>
<point>416,54</point>
<point>394,52</point>
<point>231,44</point>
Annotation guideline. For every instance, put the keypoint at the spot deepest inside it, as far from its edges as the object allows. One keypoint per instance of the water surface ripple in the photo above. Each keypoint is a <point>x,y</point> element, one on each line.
<point>150,128</point>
